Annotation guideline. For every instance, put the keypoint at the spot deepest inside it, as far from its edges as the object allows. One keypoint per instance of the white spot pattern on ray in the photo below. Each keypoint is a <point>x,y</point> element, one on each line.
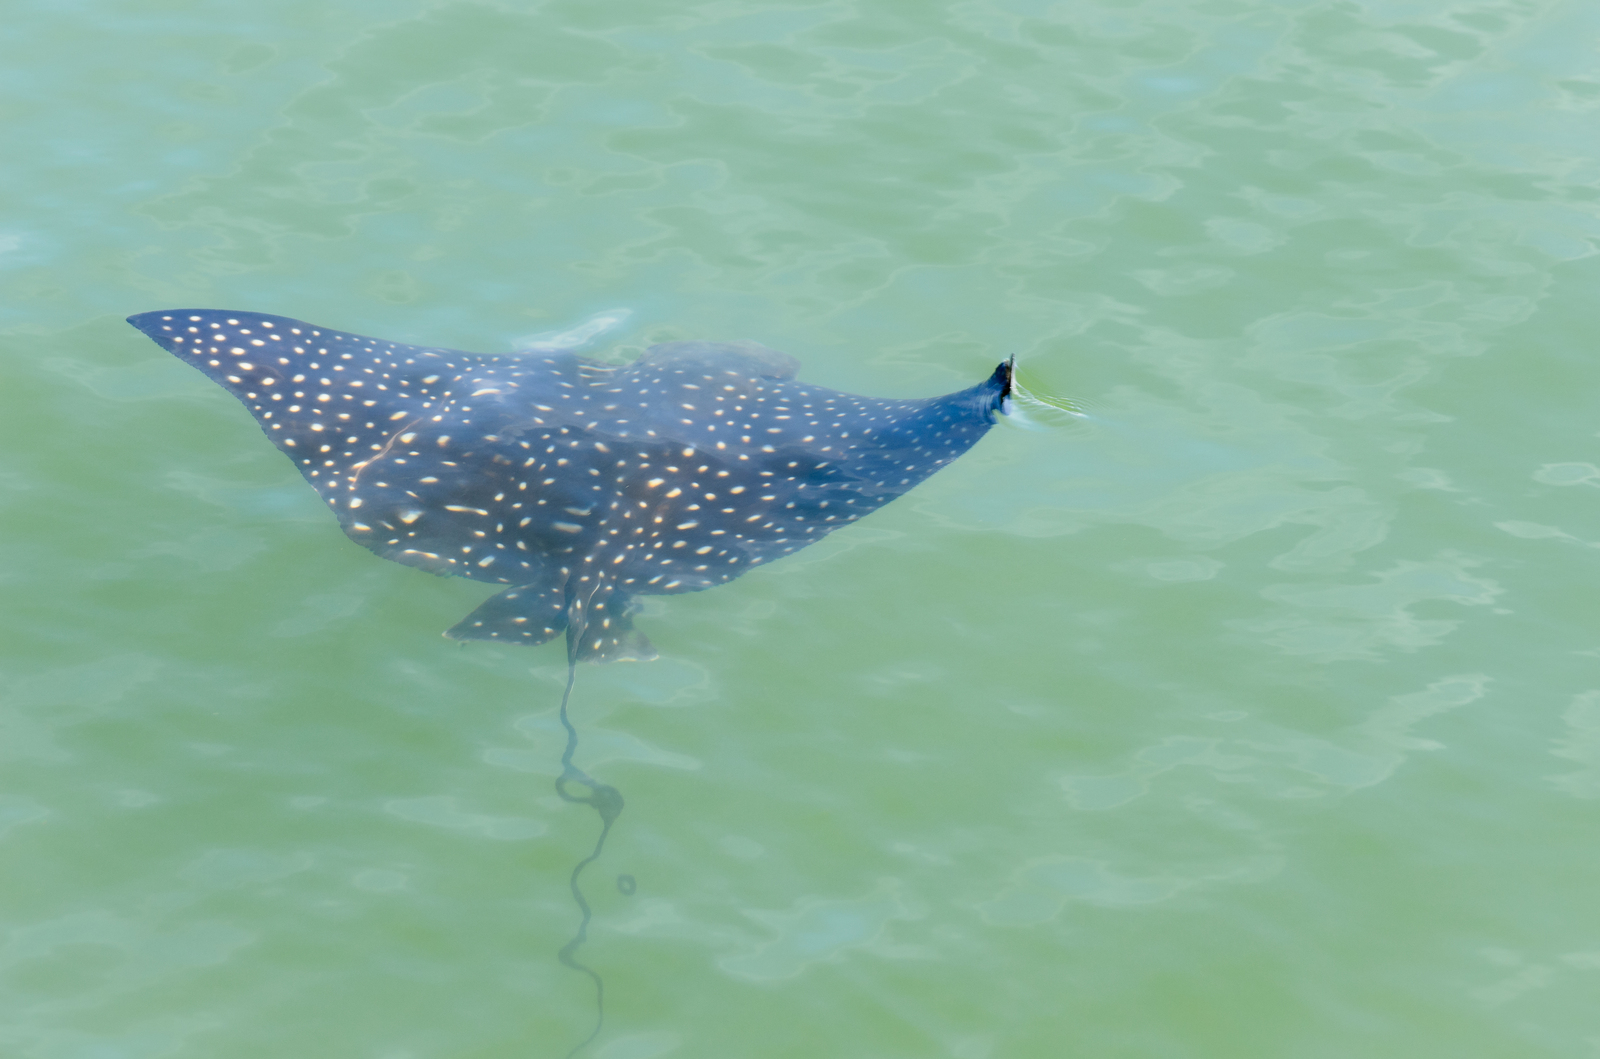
<point>576,484</point>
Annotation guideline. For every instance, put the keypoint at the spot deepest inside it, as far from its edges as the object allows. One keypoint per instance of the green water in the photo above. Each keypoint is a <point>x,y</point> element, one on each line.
<point>1255,714</point>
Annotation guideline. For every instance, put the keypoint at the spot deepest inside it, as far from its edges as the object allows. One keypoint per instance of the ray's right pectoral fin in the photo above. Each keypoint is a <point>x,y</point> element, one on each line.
<point>601,630</point>
<point>622,642</point>
<point>527,614</point>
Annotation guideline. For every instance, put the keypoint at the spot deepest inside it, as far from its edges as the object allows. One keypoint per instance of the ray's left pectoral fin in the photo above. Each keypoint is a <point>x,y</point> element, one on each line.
<point>527,614</point>
<point>600,629</point>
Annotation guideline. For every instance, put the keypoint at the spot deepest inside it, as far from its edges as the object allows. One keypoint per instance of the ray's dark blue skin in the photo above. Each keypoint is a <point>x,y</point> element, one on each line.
<point>574,484</point>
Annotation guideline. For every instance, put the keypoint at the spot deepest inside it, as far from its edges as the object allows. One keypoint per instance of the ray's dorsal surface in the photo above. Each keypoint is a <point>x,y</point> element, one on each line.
<point>574,484</point>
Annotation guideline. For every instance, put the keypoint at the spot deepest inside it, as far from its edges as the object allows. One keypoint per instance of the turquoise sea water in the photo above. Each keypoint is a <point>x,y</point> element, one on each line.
<point>1253,713</point>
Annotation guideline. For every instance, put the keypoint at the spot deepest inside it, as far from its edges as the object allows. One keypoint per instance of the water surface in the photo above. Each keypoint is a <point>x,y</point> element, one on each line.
<point>1256,714</point>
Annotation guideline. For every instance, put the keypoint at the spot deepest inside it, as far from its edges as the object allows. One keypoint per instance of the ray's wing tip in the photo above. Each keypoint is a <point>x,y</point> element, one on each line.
<point>151,322</point>
<point>161,315</point>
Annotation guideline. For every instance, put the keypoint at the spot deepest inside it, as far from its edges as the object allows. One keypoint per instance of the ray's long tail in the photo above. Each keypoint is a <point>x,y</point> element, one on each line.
<point>606,800</point>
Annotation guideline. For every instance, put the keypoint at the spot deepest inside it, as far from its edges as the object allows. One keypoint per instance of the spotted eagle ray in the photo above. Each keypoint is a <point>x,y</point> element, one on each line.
<point>576,484</point>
